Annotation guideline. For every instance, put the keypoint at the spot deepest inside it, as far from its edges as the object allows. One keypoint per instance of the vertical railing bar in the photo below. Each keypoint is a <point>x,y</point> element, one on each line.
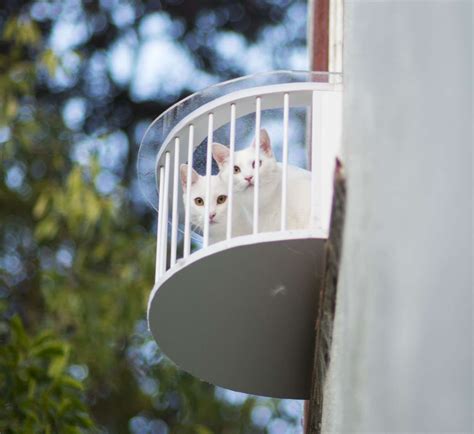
<point>164,221</point>
<point>187,212</point>
<point>320,162</point>
<point>316,160</point>
<point>158,229</point>
<point>174,218</point>
<point>284,183</point>
<point>208,179</point>
<point>327,148</point>
<point>230,195</point>
<point>257,165</point>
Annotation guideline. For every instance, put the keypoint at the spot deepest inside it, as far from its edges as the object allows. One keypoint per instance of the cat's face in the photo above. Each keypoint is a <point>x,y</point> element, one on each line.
<point>217,204</point>
<point>244,167</point>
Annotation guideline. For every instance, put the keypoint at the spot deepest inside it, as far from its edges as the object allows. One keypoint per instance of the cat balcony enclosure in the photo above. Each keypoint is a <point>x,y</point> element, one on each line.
<point>238,270</point>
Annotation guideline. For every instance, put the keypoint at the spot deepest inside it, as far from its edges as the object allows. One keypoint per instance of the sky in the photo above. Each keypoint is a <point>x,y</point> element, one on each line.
<point>154,64</point>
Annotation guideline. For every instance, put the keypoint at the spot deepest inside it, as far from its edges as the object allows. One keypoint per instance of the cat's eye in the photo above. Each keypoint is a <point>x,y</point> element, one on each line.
<point>253,164</point>
<point>221,199</point>
<point>236,169</point>
<point>199,201</point>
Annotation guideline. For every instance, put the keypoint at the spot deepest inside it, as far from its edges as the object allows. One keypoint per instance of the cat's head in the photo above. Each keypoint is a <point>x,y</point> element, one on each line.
<point>244,163</point>
<point>218,200</point>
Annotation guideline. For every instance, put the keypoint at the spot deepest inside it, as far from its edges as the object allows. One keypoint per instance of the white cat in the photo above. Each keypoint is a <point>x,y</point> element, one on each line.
<point>270,179</point>
<point>217,206</point>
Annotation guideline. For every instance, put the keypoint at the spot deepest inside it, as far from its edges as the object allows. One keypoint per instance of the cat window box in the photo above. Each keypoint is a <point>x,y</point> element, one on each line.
<point>241,177</point>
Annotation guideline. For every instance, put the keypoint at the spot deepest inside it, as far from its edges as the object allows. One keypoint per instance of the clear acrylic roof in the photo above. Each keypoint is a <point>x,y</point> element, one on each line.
<point>160,128</point>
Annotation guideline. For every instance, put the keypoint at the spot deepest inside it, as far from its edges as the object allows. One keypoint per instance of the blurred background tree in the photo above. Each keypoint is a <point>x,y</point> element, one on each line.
<point>36,392</point>
<point>79,83</point>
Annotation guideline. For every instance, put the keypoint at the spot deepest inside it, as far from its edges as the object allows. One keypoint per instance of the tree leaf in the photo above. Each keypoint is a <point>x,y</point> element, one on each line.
<point>41,205</point>
<point>57,365</point>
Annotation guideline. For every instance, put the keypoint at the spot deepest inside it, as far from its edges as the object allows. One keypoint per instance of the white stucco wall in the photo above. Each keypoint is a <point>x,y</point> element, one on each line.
<point>402,354</point>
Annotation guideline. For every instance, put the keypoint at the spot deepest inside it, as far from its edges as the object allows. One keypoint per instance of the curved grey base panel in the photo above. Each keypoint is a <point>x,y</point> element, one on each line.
<point>243,317</point>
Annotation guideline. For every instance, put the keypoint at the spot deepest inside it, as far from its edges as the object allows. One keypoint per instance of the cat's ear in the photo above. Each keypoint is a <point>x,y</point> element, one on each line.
<point>265,143</point>
<point>220,154</point>
<point>183,171</point>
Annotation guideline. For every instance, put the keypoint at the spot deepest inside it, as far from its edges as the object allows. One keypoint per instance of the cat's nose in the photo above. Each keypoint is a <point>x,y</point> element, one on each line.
<point>212,215</point>
<point>248,178</point>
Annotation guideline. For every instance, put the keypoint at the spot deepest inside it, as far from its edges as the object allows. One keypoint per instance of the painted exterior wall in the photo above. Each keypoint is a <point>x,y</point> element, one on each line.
<point>402,350</point>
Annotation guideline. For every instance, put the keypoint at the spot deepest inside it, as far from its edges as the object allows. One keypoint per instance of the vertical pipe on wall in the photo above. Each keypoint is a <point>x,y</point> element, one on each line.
<point>319,35</point>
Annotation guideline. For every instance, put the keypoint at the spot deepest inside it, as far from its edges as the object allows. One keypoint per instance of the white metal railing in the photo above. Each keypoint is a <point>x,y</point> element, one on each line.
<point>180,136</point>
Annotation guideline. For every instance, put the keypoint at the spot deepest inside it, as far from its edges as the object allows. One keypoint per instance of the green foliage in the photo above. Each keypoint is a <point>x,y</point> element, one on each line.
<point>22,31</point>
<point>37,395</point>
<point>19,73</point>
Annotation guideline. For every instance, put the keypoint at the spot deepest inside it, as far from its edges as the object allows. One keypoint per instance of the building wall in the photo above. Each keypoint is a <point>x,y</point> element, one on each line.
<point>402,350</point>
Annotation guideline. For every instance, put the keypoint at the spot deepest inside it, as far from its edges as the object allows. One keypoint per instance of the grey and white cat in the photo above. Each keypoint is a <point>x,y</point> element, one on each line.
<point>270,180</point>
<point>217,206</point>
